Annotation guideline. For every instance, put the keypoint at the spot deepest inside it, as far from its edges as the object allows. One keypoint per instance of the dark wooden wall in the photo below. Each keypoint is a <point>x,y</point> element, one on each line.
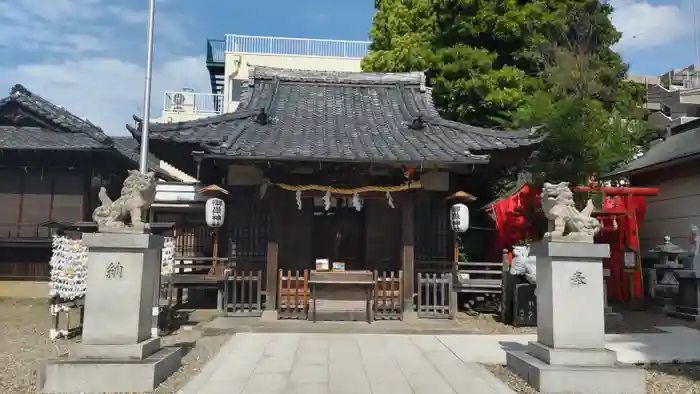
<point>434,239</point>
<point>31,196</point>
<point>30,263</point>
<point>248,217</point>
<point>383,246</point>
<point>36,187</point>
<point>296,227</point>
<point>248,222</point>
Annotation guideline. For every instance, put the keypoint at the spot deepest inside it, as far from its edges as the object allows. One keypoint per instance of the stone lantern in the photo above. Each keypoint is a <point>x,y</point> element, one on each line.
<point>666,269</point>
<point>669,254</point>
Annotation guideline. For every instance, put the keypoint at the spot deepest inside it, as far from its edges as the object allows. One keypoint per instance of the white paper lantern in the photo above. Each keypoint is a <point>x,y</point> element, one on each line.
<point>216,212</point>
<point>459,218</point>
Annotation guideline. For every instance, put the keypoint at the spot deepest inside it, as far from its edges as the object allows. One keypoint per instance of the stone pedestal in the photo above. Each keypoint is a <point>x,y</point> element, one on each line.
<point>570,355</point>
<point>612,319</point>
<point>117,353</point>
<point>686,303</point>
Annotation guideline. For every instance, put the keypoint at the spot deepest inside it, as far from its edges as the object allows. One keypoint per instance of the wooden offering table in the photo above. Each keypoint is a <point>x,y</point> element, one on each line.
<point>342,281</point>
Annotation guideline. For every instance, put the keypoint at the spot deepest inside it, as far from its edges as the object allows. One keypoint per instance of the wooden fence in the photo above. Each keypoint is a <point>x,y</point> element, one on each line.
<point>388,300</point>
<point>243,293</point>
<point>435,299</point>
<point>192,240</point>
<point>293,295</point>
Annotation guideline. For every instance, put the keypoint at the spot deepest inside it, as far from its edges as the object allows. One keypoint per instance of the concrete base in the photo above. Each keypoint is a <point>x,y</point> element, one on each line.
<point>268,315</point>
<point>409,315</point>
<point>572,357</point>
<point>548,378</point>
<point>612,320</point>
<point>74,375</point>
<point>682,314</point>
<point>138,351</point>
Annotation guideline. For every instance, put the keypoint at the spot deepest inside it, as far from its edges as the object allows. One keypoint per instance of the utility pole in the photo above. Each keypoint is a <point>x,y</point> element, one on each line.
<point>143,163</point>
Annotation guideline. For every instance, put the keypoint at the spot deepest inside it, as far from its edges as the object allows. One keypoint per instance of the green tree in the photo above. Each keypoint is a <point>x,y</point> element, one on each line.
<point>592,116</point>
<point>402,35</point>
<point>518,63</point>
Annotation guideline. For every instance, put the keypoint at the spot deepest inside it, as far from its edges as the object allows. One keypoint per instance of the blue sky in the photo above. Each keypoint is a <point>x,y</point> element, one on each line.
<point>89,55</point>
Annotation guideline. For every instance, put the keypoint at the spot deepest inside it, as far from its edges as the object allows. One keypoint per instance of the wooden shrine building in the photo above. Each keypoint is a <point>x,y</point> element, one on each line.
<point>52,165</point>
<point>352,167</point>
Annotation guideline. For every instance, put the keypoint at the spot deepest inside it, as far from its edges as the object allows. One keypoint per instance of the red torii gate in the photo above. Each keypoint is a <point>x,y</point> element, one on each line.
<point>622,215</point>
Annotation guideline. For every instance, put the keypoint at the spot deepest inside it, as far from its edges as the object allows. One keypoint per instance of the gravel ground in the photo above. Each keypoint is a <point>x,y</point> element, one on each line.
<point>661,379</point>
<point>25,343</point>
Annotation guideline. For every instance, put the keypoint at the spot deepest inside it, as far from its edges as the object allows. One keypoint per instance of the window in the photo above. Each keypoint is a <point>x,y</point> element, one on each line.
<point>236,89</point>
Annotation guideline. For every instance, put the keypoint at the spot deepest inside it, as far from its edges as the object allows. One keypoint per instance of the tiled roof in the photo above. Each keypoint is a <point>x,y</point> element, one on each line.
<point>38,138</point>
<point>675,147</point>
<point>68,131</point>
<point>54,113</point>
<point>294,114</point>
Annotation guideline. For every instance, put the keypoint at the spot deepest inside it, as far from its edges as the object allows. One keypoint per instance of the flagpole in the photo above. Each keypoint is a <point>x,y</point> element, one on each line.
<point>143,161</point>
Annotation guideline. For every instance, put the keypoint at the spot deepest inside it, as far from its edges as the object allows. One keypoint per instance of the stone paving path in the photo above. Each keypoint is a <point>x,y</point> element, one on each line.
<point>340,364</point>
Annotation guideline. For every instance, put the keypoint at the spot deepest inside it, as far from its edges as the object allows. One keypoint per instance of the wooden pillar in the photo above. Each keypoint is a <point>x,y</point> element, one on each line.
<point>407,254</point>
<point>273,233</point>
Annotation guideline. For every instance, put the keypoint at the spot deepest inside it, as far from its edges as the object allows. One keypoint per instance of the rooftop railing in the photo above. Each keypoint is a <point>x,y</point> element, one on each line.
<point>215,51</point>
<point>296,46</point>
<point>190,102</point>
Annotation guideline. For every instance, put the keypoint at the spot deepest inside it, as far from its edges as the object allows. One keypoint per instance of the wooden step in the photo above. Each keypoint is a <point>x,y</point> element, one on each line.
<point>481,272</point>
<point>480,264</point>
<point>491,283</point>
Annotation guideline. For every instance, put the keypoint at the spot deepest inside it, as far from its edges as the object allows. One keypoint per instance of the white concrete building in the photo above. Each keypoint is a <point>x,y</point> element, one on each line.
<point>674,97</point>
<point>229,60</point>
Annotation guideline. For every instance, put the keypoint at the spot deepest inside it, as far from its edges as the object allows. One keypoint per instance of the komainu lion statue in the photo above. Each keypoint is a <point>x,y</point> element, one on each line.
<point>124,213</point>
<point>566,223</point>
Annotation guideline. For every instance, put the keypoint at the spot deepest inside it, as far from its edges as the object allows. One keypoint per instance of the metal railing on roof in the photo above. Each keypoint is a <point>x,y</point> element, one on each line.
<point>215,51</point>
<point>190,102</point>
<point>296,46</point>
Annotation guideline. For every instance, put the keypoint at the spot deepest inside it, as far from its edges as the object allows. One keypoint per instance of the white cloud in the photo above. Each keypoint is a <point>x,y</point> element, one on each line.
<point>645,26</point>
<point>89,56</point>
<point>106,90</point>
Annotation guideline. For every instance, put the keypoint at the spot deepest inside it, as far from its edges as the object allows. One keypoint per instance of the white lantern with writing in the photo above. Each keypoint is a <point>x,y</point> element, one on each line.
<point>215,210</point>
<point>459,218</point>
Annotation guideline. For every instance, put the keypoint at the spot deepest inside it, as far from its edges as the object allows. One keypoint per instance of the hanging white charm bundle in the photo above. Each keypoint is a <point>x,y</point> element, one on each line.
<point>356,202</point>
<point>68,268</point>
<point>327,200</point>
<point>168,257</point>
<point>68,277</point>
<point>298,197</point>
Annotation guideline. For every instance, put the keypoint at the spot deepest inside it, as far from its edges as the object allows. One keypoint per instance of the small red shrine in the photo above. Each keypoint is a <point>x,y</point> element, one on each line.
<point>623,212</point>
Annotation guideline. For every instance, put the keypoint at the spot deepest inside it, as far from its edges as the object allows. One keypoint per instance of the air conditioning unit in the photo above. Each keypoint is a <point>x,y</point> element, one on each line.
<point>181,102</point>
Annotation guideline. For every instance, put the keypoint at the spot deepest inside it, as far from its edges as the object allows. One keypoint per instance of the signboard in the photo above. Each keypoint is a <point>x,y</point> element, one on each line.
<point>525,305</point>
<point>630,258</point>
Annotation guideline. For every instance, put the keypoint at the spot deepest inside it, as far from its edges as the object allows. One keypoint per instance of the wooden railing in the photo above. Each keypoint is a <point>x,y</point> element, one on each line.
<point>293,295</point>
<point>436,300</point>
<point>243,293</point>
<point>191,241</point>
<point>388,300</point>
